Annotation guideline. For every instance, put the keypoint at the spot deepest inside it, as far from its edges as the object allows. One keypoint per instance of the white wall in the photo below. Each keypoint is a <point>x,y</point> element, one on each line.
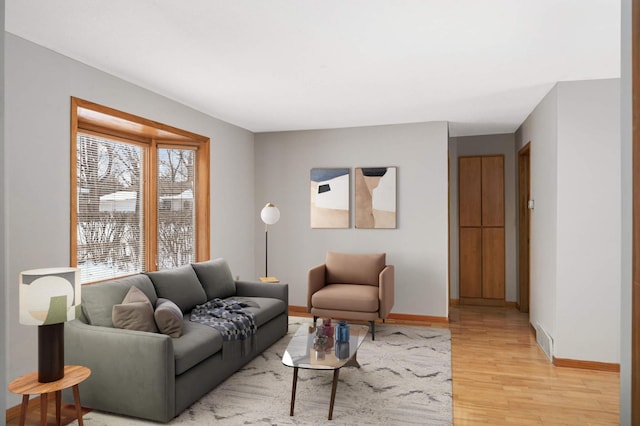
<point>417,248</point>
<point>39,84</point>
<point>540,128</point>
<point>575,226</point>
<point>503,144</point>
<point>588,230</point>
<point>626,215</point>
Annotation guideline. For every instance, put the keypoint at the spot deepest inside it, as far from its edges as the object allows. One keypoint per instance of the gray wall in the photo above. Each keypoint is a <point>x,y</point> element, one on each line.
<point>486,145</point>
<point>39,84</point>
<point>626,217</point>
<point>3,272</point>
<point>575,226</point>
<point>417,248</point>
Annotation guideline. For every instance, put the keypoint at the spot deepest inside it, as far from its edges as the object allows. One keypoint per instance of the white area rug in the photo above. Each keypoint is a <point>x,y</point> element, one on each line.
<point>404,379</point>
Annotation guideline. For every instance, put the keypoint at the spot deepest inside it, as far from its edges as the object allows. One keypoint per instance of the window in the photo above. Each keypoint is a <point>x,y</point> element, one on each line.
<point>140,194</point>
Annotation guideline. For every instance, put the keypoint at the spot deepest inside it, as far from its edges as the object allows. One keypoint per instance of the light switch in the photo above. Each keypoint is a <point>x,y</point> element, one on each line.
<point>530,204</point>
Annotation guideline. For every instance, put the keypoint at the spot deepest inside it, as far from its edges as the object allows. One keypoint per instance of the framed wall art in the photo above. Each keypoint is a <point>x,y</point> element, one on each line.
<point>329,201</point>
<point>375,199</point>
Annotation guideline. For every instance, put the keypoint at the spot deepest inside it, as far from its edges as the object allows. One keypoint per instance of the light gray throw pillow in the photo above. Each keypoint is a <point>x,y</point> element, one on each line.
<point>135,312</point>
<point>168,317</point>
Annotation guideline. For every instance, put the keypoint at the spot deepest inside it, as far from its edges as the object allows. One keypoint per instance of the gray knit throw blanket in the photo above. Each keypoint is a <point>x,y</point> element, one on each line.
<point>230,319</point>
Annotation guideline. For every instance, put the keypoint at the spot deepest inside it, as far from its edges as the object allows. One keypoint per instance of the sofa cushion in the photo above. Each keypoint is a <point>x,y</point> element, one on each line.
<point>346,297</point>
<point>198,342</point>
<point>98,299</point>
<point>168,317</point>
<point>135,312</point>
<point>343,268</point>
<point>180,285</point>
<point>263,308</point>
<point>215,276</point>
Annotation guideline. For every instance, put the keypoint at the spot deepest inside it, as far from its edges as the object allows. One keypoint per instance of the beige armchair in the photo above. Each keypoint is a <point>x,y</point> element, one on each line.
<point>352,287</point>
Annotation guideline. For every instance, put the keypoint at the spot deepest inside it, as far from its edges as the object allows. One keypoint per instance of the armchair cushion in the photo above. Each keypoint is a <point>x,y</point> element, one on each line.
<point>346,297</point>
<point>345,268</point>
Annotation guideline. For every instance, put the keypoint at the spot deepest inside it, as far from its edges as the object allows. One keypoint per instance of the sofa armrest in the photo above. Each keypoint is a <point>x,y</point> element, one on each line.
<point>315,281</point>
<point>260,289</point>
<point>132,372</point>
<point>386,288</point>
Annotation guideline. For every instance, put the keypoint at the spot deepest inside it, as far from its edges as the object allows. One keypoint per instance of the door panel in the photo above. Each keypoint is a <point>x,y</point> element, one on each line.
<point>493,191</point>
<point>470,262</point>
<point>470,191</point>
<point>493,263</point>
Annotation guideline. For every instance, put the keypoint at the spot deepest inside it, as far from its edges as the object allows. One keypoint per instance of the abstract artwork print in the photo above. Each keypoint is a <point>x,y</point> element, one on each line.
<point>329,202</point>
<point>375,202</point>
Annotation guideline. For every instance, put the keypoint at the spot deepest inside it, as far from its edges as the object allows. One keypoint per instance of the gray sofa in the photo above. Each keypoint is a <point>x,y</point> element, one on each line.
<point>152,375</point>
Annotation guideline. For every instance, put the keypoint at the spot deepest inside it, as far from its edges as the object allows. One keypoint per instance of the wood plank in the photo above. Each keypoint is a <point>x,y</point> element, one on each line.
<point>493,263</point>
<point>470,262</point>
<point>493,190</point>
<point>469,191</point>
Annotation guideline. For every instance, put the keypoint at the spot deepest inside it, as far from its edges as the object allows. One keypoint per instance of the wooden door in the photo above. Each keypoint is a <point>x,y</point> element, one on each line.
<point>481,221</point>
<point>524,195</point>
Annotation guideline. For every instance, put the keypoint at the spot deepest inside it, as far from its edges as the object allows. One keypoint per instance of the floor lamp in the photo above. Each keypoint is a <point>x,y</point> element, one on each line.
<point>269,215</point>
<point>49,298</point>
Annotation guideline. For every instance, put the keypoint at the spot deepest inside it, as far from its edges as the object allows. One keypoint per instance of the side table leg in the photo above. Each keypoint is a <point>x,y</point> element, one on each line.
<point>76,399</point>
<point>293,389</point>
<point>23,409</point>
<point>43,409</point>
<point>58,404</point>
<point>334,385</point>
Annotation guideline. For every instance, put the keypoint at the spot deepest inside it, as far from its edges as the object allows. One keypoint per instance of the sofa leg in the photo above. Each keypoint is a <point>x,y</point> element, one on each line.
<point>373,330</point>
<point>315,318</point>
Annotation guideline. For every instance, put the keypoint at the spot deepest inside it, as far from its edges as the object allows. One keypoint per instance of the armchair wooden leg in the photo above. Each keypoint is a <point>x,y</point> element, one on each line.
<point>373,330</point>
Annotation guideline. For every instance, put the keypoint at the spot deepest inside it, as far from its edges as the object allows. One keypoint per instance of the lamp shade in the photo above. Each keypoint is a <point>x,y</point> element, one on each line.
<point>49,296</point>
<point>270,214</point>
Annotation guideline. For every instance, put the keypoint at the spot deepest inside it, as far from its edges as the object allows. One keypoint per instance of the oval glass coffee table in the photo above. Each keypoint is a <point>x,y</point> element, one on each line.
<point>301,353</point>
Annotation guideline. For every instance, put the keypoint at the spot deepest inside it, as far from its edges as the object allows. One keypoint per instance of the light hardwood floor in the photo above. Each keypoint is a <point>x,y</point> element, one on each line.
<point>501,377</point>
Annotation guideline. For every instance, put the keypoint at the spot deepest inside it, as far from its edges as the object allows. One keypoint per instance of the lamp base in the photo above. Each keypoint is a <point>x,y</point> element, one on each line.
<point>50,352</point>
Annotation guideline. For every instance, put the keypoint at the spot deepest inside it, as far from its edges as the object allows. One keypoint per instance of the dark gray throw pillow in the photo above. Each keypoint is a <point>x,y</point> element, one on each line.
<point>180,285</point>
<point>134,313</point>
<point>168,317</point>
<point>215,276</point>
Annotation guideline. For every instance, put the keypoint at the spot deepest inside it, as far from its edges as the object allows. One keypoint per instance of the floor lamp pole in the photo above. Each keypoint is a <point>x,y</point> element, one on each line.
<point>266,249</point>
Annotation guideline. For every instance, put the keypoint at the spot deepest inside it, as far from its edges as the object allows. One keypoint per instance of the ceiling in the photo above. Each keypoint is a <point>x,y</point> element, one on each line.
<point>275,65</point>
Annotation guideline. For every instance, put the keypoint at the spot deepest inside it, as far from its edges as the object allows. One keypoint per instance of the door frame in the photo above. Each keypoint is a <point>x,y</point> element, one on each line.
<point>524,226</point>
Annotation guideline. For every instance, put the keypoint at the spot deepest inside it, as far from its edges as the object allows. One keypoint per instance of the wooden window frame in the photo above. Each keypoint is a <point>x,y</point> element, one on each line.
<point>102,121</point>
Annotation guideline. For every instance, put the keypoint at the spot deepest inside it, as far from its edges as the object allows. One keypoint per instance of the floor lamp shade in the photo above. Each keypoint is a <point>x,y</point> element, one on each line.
<point>269,215</point>
<point>49,298</point>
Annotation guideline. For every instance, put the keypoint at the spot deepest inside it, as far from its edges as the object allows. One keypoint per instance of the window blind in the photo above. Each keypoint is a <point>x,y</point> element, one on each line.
<point>176,202</point>
<point>110,208</point>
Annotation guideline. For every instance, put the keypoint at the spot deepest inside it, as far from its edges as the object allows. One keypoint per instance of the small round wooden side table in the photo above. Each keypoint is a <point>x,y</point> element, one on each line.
<point>29,385</point>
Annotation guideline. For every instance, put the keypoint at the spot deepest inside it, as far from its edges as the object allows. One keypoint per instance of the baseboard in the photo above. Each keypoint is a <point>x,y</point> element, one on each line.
<point>484,302</point>
<point>302,311</point>
<point>418,318</point>
<point>586,365</point>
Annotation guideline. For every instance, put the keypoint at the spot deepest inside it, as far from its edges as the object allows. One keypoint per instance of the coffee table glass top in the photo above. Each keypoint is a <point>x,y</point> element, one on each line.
<point>301,352</point>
